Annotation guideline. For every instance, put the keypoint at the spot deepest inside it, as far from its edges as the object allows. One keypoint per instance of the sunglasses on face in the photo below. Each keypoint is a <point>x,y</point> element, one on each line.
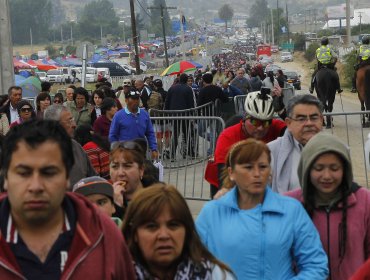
<point>57,101</point>
<point>26,109</point>
<point>258,123</point>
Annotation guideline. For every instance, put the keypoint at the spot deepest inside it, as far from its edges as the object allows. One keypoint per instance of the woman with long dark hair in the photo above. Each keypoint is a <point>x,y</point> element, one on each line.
<point>338,207</point>
<point>161,236</point>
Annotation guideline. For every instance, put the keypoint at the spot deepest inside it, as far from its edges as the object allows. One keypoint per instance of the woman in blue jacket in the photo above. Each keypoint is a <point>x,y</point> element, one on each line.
<point>258,233</point>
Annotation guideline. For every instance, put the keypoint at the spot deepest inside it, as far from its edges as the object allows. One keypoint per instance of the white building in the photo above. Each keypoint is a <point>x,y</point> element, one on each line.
<point>362,15</point>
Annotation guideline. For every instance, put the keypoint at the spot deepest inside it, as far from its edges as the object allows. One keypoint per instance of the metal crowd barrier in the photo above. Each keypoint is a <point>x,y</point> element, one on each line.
<point>185,144</point>
<point>203,110</point>
<point>185,162</point>
<point>347,126</point>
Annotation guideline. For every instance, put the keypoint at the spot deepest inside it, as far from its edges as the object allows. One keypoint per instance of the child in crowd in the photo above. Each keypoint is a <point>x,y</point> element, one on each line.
<point>100,192</point>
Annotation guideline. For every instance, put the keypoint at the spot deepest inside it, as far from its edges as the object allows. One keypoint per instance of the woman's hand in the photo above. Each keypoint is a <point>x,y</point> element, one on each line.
<point>119,188</point>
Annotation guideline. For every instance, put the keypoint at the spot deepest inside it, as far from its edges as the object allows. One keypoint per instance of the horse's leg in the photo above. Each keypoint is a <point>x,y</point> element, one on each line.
<point>363,115</point>
<point>329,119</point>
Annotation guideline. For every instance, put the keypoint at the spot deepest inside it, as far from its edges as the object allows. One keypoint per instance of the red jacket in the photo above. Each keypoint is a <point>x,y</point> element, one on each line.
<point>231,135</point>
<point>98,250</point>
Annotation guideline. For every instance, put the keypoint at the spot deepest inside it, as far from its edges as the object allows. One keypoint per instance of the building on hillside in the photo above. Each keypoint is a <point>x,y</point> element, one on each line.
<point>360,16</point>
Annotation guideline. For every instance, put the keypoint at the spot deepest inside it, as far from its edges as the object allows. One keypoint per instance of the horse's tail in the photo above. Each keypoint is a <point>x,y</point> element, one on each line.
<point>367,89</point>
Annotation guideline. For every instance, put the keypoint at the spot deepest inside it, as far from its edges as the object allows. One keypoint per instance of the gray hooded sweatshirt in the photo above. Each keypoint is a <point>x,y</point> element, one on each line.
<point>320,144</point>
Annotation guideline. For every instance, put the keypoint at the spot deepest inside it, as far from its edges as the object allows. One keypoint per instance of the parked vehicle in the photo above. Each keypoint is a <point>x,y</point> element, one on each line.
<point>129,69</point>
<point>265,60</point>
<point>203,53</point>
<point>67,74</point>
<point>41,75</point>
<point>293,78</point>
<point>225,50</point>
<point>91,74</point>
<point>272,67</point>
<point>274,49</point>
<point>263,50</point>
<point>114,68</point>
<point>286,57</point>
<point>105,73</point>
<point>55,76</point>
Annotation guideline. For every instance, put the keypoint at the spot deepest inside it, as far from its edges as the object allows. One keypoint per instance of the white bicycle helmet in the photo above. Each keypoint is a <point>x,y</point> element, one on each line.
<point>258,104</point>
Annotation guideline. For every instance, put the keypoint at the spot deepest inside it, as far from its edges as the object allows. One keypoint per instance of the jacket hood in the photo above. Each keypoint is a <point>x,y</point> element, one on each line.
<point>320,144</point>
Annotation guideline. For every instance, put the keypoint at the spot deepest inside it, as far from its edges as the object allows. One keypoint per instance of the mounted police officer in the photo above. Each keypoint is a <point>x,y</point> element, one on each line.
<point>325,58</point>
<point>363,58</point>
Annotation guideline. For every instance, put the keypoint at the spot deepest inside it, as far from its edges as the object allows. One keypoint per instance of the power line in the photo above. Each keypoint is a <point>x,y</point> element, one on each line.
<point>149,15</point>
<point>161,7</point>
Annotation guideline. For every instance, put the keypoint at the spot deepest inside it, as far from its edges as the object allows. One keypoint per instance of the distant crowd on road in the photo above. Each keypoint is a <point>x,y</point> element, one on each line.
<point>82,193</point>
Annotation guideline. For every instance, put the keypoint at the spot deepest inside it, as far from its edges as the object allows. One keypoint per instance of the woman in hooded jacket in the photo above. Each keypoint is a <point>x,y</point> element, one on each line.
<point>339,208</point>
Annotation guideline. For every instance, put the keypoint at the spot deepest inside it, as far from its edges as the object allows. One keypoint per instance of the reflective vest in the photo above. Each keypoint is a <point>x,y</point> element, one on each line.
<point>364,52</point>
<point>323,54</point>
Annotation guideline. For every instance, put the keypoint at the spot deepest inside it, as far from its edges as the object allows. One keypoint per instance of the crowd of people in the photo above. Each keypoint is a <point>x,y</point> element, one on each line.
<point>82,198</point>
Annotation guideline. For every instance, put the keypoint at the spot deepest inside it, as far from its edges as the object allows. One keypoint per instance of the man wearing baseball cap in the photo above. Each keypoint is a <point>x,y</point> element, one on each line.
<point>133,122</point>
<point>126,88</point>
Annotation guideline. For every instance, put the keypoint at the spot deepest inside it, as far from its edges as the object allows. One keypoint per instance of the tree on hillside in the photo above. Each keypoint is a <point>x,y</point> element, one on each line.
<point>226,13</point>
<point>58,15</point>
<point>142,8</point>
<point>258,13</point>
<point>156,23</point>
<point>27,15</point>
<point>96,16</point>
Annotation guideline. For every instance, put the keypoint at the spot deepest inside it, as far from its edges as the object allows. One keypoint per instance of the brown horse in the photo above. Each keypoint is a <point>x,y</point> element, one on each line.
<point>363,89</point>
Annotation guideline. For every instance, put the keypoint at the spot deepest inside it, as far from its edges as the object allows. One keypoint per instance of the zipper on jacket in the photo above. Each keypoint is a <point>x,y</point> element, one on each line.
<point>327,210</point>
<point>263,242</point>
<point>12,270</point>
<point>84,256</point>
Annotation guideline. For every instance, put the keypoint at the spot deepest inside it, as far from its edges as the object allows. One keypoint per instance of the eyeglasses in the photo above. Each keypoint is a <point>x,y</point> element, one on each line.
<point>70,121</point>
<point>128,145</point>
<point>57,101</point>
<point>304,119</point>
<point>258,123</point>
<point>127,83</point>
<point>26,109</point>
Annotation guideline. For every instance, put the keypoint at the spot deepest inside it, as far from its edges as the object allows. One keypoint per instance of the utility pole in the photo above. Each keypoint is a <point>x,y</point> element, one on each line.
<point>272,28</point>
<point>278,22</point>
<point>6,49</point>
<point>31,41</point>
<point>163,27</point>
<point>134,36</point>
<point>287,20</point>
<point>348,22</point>
<point>360,16</point>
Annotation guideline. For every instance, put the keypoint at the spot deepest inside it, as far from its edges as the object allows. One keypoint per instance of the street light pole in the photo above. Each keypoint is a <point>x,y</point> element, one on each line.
<point>101,34</point>
<point>71,33</point>
<point>123,30</point>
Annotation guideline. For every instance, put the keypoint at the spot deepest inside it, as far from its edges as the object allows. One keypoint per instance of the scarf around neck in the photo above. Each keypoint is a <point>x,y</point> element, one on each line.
<point>186,270</point>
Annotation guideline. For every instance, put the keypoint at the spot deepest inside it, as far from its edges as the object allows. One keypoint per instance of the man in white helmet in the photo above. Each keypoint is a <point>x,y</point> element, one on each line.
<point>304,120</point>
<point>258,123</point>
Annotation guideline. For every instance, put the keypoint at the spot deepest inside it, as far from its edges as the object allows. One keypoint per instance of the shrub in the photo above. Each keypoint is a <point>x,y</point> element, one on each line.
<point>310,53</point>
<point>350,60</point>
